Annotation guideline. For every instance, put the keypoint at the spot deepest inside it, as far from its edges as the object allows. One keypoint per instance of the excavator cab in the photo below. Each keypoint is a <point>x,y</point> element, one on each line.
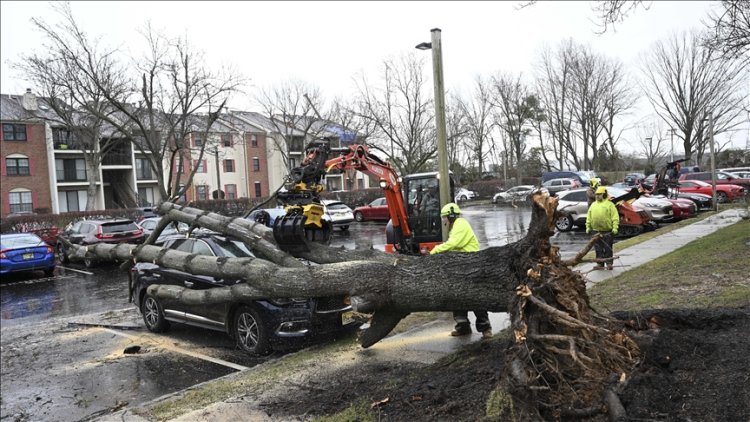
<point>421,193</point>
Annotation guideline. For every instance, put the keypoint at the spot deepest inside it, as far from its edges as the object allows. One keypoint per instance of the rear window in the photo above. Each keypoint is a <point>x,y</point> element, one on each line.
<point>122,226</point>
<point>233,248</point>
<point>337,206</point>
<point>27,240</point>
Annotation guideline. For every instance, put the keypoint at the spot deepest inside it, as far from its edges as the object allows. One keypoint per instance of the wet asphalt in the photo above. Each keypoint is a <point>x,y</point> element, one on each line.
<point>64,337</point>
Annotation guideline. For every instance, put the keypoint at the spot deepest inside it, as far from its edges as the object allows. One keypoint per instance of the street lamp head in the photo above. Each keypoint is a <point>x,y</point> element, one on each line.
<point>424,46</point>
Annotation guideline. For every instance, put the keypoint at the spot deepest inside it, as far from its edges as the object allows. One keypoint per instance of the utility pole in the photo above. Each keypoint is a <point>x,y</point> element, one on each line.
<point>713,161</point>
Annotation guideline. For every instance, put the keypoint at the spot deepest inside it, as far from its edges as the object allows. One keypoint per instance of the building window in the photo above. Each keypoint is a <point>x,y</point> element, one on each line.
<point>197,139</point>
<point>257,190</point>
<point>231,191</point>
<point>200,166</point>
<point>145,197</point>
<point>70,169</point>
<point>17,166</point>
<point>226,139</point>
<point>292,162</point>
<point>201,192</point>
<point>72,200</point>
<point>229,166</point>
<point>14,132</point>
<point>143,169</point>
<point>256,164</point>
<point>20,202</point>
<point>254,140</point>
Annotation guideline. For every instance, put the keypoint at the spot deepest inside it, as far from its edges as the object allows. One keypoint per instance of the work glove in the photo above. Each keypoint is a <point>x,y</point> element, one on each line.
<point>614,232</point>
<point>588,231</point>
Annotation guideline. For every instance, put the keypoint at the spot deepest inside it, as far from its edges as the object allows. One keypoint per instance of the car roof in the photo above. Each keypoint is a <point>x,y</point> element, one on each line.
<point>16,235</point>
<point>108,220</point>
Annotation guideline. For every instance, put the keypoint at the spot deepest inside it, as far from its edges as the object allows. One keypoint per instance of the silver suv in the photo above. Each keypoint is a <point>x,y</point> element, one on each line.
<point>572,205</point>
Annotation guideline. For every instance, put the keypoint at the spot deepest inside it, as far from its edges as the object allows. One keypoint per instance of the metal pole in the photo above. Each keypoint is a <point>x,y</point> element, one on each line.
<point>437,70</point>
<point>713,161</point>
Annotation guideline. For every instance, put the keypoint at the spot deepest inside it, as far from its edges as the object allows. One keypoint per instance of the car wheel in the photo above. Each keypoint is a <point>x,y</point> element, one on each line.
<point>249,331</point>
<point>344,228</point>
<point>359,217</point>
<point>722,197</point>
<point>153,315</point>
<point>61,257</point>
<point>462,198</point>
<point>564,223</point>
<point>49,272</point>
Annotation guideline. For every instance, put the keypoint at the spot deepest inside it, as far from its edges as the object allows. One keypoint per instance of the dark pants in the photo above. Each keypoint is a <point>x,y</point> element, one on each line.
<point>603,247</point>
<point>463,324</point>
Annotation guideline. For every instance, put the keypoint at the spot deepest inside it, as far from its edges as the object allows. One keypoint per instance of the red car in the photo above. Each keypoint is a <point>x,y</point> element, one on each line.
<point>724,193</point>
<point>682,208</point>
<point>376,210</point>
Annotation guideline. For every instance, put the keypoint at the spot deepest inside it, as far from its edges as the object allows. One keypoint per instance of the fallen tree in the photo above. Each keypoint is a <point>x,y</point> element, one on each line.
<point>567,360</point>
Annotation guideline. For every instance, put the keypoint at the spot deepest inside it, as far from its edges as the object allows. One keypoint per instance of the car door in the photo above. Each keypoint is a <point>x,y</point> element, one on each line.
<point>173,309</point>
<point>380,209</point>
<point>211,316</point>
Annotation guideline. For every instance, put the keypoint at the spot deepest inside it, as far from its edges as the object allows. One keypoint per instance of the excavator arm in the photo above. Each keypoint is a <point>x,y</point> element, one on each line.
<point>303,220</point>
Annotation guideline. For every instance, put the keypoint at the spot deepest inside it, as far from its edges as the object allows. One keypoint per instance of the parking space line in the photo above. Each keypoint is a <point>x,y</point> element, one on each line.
<point>73,269</point>
<point>185,352</point>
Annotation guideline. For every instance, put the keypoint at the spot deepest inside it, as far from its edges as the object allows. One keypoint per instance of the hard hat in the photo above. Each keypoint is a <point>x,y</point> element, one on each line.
<point>595,182</point>
<point>601,189</point>
<point>450,210</point>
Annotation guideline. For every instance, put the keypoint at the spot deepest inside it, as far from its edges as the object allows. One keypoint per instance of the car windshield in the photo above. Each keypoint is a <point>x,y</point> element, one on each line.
<point>233,248</point>
<point>338,206</point>
<point>123,226</point>
<point>27,240</point>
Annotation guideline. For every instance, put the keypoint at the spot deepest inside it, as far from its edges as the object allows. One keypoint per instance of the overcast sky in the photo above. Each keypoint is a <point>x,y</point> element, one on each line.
<point>326,43</point>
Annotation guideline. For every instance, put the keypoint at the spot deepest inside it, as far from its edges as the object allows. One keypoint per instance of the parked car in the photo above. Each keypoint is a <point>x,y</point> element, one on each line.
<point>258,326</point>
<point>25,252</point>
<point>722,178</point>
<point>145,212</point>
<point>724,193</point>
<point>659,209</point>
<point>464,194</point>
<point>582,177</point>
<point>90,232</point>
<point>681,208</point>
<point>702,201</point>
<point>741,172</point>
<point>572,206</point>
<point>376,210</point>
<point>633,179</point>
<point>341,215</point>
<point>513,194</point>
<point>149,224</point>
<point>266,216</point>
<point>554,186</point>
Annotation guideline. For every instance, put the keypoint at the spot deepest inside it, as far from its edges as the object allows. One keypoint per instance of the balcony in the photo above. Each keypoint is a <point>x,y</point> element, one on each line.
<point>117,158</point>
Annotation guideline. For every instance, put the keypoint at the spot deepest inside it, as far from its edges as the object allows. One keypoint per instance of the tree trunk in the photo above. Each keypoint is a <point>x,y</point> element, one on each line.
<point>564,358</point>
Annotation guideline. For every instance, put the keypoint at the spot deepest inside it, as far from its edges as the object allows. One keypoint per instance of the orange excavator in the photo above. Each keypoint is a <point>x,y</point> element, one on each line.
<point>412,230</point>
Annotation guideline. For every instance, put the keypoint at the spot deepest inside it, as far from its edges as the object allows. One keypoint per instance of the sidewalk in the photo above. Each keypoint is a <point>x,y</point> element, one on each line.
<point>428,343</point>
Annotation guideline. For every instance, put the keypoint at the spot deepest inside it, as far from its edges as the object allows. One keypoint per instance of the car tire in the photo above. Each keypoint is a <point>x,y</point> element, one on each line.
<point>722,197</point>
<point>564,223</point>
<point>49,272</point>
<point>359,217</point>
<point>250,332</point>
<point>462,198</point>
<point>153,315</point>
<point>61,256</point>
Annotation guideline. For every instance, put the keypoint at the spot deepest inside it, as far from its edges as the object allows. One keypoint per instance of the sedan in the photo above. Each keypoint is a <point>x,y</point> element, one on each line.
<point>149,224</point>
<point>341,215</point>
<point>658,208</point>
<point>25,252</point>
<point>724,193</point>
<point>464,194</point>
<point>513,194</point>
<point>91,232</point>
<point>702,201</point>
<point>572,206</point>
<point>554,186</point>
<point>258,326</point>
<point>376,210</point>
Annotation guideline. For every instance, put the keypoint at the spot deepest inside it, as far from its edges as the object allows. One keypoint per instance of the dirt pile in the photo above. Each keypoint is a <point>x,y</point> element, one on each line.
<point>695,368</point>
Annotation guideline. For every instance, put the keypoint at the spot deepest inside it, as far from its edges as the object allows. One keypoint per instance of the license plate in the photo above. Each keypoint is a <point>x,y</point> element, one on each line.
<point>28,256</point>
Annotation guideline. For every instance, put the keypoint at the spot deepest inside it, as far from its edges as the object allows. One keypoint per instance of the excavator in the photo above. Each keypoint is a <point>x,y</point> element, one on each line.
<point>414,227</point>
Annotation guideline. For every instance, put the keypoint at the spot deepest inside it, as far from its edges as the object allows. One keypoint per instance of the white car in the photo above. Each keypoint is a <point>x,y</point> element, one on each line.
<point>518,193</point>
<point>464,194</point>
<point>339,213</point>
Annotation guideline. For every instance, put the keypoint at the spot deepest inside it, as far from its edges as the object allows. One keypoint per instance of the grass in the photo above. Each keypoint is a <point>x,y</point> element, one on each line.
<point>709,272</point>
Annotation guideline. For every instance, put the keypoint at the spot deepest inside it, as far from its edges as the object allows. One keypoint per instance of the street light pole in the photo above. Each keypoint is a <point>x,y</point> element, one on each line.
<point>713,162</point>
<point>437,74</point>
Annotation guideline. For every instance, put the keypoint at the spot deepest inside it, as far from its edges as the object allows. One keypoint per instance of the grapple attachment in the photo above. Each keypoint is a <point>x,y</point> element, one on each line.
<point>301,225</point>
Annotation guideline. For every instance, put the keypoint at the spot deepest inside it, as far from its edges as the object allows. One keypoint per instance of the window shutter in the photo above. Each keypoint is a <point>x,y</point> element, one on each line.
<point>3,167</point>
<point>6,204</point>
<point>225,166</point>
<point>205,166</point>
<point>32,167</point>
<point>34,200</point>
<point>195,164</point>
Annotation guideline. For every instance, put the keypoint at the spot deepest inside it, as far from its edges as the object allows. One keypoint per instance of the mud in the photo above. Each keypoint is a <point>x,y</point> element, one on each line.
<point>695,369</point>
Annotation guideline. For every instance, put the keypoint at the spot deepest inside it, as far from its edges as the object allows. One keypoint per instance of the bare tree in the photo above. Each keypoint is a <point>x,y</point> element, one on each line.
<point>67,89</point>
<point>479,122</point>
<point>457,132</point>
<point>609,12</point>
<point>402,112</point>
<point>684,81</point>
<point>729,30</point>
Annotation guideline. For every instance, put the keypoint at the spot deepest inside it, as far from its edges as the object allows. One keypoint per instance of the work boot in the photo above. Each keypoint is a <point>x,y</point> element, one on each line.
<point>598,267</point>
<point>609,267</point>
<point>487,334</point>
<point>459,333</point>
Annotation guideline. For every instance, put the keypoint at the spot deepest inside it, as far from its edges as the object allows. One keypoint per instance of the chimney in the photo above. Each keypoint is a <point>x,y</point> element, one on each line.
<point>29,101</point>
